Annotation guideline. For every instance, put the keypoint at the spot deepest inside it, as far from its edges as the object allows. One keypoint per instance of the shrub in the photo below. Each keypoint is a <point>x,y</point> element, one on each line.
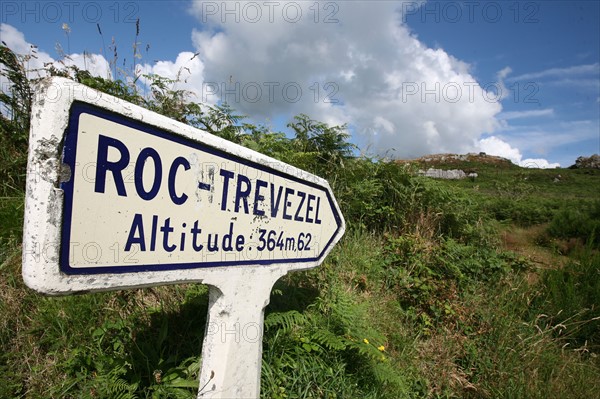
<point>580,221</point>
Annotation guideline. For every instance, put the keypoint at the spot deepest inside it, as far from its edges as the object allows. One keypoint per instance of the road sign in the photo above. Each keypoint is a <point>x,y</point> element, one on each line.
<point>121,197</point>
<point>123,192</point>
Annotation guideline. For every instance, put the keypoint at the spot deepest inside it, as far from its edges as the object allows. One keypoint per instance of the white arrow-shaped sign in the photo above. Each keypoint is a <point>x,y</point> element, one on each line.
<point>121,197</point>
<point>126,193</point>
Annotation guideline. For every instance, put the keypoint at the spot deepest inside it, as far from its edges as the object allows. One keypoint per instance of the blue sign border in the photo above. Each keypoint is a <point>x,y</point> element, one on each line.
<point>69,155</point>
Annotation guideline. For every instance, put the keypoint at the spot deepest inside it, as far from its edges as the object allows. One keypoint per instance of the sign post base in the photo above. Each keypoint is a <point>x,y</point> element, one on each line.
<point>232,347</point>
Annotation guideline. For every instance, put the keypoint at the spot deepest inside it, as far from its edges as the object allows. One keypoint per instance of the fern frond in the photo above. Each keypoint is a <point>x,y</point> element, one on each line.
<point>330,340</point>
<point>285,320</point>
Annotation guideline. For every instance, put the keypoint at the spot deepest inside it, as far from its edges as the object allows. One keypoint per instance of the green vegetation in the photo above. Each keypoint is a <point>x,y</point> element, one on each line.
<point>440,289</point>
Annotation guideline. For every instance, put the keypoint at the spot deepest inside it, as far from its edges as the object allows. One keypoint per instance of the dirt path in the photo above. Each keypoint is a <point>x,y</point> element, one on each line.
<point>525,241</point>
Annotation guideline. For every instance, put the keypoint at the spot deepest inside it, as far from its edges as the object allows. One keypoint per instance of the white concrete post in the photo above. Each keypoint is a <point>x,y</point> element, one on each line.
<point>232,348</point>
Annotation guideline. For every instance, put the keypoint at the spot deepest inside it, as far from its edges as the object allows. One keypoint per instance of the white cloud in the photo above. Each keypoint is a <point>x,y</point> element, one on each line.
<point>592,83</point>
<point>15,40</point>
<point>187,70</point>
<point>539,163</point>
<point>382,124</point>
<point>94,63</point>
<point>501,76</point>
<point>367,69</point>
<point>543,138</point>
<point>495,146</point>
<point>37,59</point>
<point>526,114</point>
<point>581,77</point>
<point>576,70</point>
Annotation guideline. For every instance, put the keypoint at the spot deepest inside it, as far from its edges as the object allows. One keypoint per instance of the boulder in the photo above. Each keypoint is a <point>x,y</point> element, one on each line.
<point>454,174</point>
<point>591,162</point>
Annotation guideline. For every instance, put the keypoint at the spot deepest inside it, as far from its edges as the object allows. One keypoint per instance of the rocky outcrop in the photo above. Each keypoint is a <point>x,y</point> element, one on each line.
<point>592,162</point>
<point>453,174</point>
<point>460,160</point>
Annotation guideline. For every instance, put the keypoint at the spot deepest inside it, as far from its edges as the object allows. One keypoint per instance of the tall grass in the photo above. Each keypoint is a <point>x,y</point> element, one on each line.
<point>571,299</point>
<point>514,353</point>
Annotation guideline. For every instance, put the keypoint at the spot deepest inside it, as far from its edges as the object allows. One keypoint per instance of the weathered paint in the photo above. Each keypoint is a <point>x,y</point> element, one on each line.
<point>232,347</point>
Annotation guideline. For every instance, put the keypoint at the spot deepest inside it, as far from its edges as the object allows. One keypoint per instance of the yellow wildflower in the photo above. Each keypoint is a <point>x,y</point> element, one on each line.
<point>381,348</point>
<point>366,341</point>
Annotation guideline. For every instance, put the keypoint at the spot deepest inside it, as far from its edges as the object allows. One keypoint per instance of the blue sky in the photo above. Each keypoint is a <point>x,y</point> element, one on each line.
<point>516,79</point>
